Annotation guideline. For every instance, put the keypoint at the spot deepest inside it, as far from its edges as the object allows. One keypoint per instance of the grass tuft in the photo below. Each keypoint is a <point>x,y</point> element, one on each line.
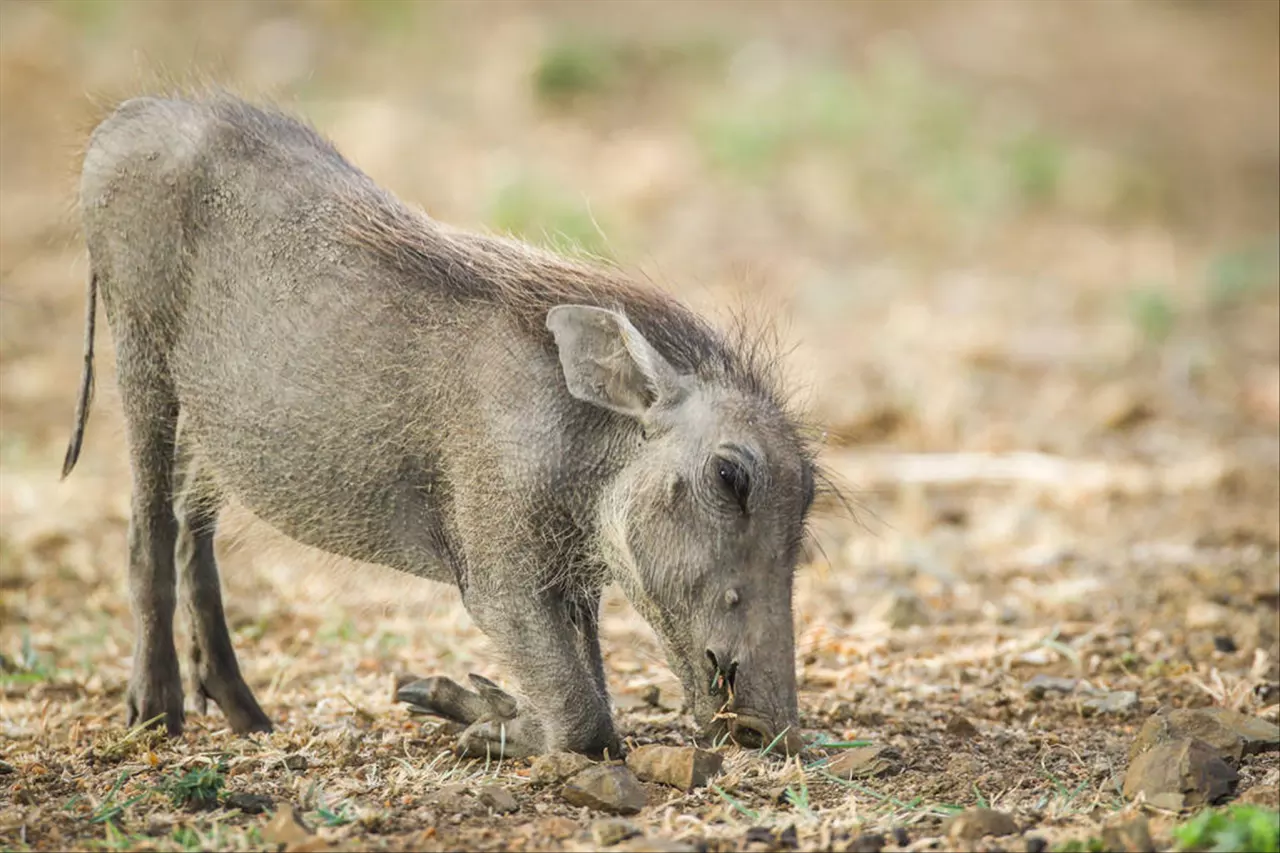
<point>1235,829</point>
<point>196,789</point>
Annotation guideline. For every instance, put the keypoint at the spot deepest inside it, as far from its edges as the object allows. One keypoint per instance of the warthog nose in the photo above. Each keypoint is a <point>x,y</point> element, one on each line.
<point>723,671</point>
<point>751,731</point>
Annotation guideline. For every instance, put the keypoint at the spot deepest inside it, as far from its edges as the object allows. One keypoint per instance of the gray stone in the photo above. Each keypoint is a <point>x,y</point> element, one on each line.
<point>608,788</point>
<point>1041,685</point>
<point>972,824</point>
<point>1131,836</point>
<point>455,798</point>
<point>248,803</point>
<point>555,767</point>
<point>865,761</point>
<point>1232,734</point>
<point>609,831</point>
<point>683,767</point>
<point>1113,702</point>
<point>1179,774</point>
<point>961,727</point>
<point>497,798</point>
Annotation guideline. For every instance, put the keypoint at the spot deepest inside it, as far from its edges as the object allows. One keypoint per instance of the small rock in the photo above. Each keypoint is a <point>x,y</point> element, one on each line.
<point>286,828</point>
<point>961,727</point>
<point>1132,836</point>
<point>1179,774</point>
<point>972,824</point>
<point>497,798</point>
<point>557,828</point>
<point>872,842</point>
<point>1113,702</point>
<point>296,762</point>
<point>1041,685</point>
<point>901,609</point>
<point>1232,734</point>
<point>609,788</point>
<point>865,761</point>
<point>609,831</point>
<point>683,767</point>
<point>652,696</point>
<point>1225,644</point>
<point>454,798</point>
<point>248,803</point>
<point>6,768</point>
<point>555,767</point>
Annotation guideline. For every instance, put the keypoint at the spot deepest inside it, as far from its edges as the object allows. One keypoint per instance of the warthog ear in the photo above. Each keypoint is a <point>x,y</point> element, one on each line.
<point>607,361</point>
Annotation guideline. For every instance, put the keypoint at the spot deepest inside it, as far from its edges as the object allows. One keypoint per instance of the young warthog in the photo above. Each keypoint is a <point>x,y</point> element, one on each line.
<point>463,408</point>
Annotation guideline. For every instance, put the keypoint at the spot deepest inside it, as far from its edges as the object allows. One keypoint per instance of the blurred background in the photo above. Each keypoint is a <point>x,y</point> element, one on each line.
<point>982,227</point>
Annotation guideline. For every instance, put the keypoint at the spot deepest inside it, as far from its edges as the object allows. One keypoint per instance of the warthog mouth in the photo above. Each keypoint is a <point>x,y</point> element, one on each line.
<point>752,730</point>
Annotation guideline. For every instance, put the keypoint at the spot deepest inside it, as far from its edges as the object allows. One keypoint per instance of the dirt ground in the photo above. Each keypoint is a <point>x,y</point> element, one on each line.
<point>1025,255</point>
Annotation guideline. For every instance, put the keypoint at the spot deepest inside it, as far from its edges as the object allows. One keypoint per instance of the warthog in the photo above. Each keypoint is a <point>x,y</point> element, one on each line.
<point>460,407</point>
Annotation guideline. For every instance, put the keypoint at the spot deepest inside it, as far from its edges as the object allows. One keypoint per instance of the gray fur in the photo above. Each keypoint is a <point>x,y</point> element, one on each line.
<point>464,408</point>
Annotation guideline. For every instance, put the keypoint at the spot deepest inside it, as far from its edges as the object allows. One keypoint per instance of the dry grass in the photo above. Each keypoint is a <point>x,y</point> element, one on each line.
<point>1031,283</point>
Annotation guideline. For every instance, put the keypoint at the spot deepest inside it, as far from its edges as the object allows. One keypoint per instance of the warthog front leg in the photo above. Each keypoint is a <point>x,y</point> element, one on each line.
<point>565,707</point>
<point>494,724</point>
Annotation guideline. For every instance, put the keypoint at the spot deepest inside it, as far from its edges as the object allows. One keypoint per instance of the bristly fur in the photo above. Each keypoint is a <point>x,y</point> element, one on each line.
<point>527,281</point>
<point>390,389</point>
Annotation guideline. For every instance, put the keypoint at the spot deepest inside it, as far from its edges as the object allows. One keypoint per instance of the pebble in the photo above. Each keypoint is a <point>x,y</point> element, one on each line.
<point>1225,644</point>
<point>248,803</point>
<point>1113,702</point>
<point>555,767</point>
<point>296,761</point>
<point>609,831</point>
<point>1040,685</point>
<point>1132,836</point>
<point>1179,774</point>
<point>454,798</point>
<point>609,788</point>
<point>683,767</point>
<point>1231,734</point>
<point>865,761</point>
<point>961,727</point>
<point>497,798</point>
<point>972,824</point>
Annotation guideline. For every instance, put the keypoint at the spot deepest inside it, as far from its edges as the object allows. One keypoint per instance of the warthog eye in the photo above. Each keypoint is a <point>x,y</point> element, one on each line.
<point>735,480</point>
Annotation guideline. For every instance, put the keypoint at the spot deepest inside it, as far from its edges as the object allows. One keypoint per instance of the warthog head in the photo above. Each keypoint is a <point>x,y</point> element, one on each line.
<point>703,525</point>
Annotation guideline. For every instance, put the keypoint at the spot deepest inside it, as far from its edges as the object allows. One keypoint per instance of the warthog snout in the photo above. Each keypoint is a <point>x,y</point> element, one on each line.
<point>739,694</point>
